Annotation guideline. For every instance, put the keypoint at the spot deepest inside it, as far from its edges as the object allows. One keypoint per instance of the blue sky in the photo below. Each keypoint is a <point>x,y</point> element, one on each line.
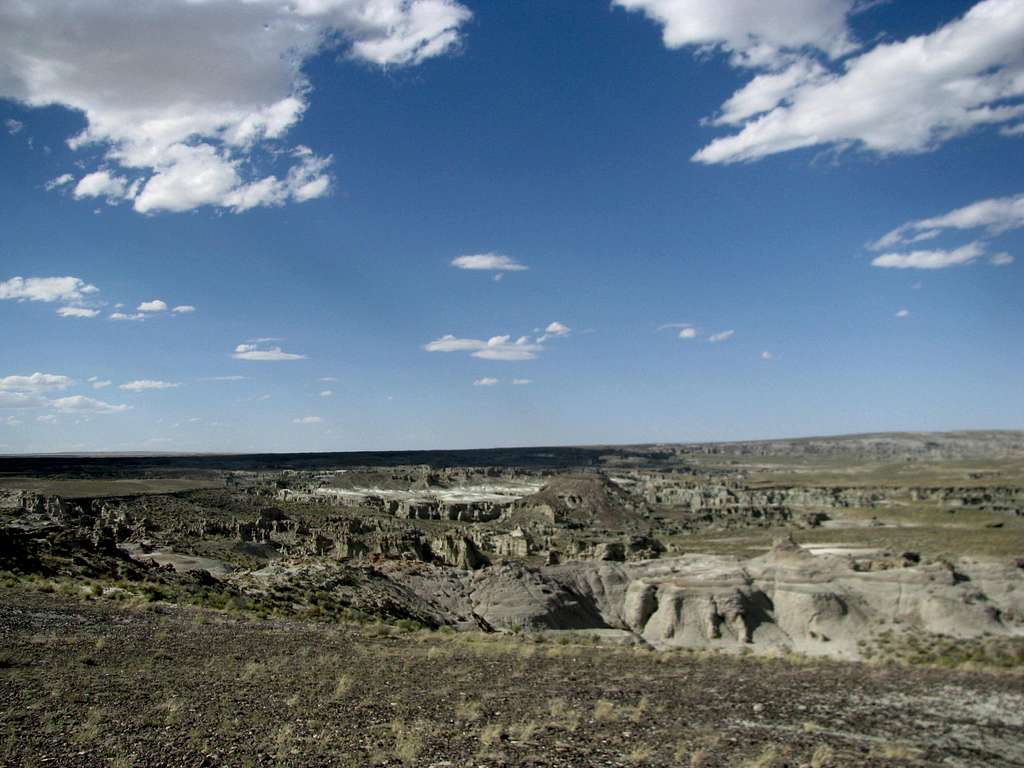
<point>737,220</point>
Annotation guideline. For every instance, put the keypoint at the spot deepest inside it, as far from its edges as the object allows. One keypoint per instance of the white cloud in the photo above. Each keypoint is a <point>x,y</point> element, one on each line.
<point>767,90</point>
<point>449,343</point>
<point>722,336</point>
<point>554,330</point>
<point>487,381</point>
<point>26,392</point>
<point>82,404</point>
<point>522,382</point>
<point>183,309</point>
<point>46,289</point>
<point>307,420</point>
<point>994,215</point>
<point>934,259</point>
<point>101,184</point>
<point>688,333</point>
<point>36,382</point>
<point>141,385</point>
<point>122,316</point>
<point>903,313</point>
<point>77,312</point>
<point>503,348</point>
<point>47,418</point>
<point>250,351</point>
<point>492,261</point>
<point>1001,259</point>
<point>327,393</point>
<point>328,379</point>
<point>13,126</point>
<point>766,355</point>
<point>156,305</point>
<point>21,400</point>
<point>898,97</point>
<point>60,181</point>
<point>753,33</point>
<point>224,378</point>
<point>98,383</point>
<point>498,347</point>
<point>198,90</point>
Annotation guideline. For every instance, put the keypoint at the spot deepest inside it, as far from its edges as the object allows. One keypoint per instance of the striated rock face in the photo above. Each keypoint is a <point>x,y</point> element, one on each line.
<point>729,504</point>
<point>458,551</point>
<point>514,597</point>
<point>791,599</point>
<point>785,600</point>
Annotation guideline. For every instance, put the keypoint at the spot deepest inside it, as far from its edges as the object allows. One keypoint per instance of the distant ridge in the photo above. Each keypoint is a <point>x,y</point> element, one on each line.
<point>890,446</point>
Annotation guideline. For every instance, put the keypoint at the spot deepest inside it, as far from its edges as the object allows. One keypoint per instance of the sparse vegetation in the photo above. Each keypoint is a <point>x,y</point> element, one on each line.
<point>296,657</point>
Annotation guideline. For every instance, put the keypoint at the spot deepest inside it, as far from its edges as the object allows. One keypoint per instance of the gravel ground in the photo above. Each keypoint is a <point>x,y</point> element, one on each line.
<point>93,683</point>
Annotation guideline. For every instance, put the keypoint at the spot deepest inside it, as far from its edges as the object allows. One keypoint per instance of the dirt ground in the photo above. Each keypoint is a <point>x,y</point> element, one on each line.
<point>94,684</point>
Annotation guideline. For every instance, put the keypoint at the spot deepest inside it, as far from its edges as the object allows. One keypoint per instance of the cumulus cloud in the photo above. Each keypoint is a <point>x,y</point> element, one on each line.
<point>36,382</point>
<point>21,400</point>
<point>77,312</point>
<point>753,33</point>
<point>101,184</point>
<point>688,333</point>
<point>28,392</point>
<point>714,338</point>
<point>896,97</point>
<point>122,316</point>
<point>521,382</point>
<point>486,381</point>
<point>903,313</point>
<point>183,309</point>
<point>554,330</point>
<point>495,348</point>
<point>60,181</point>
<point>252,351</point>
<point>500,347</point>
<point>156,305</point>
<point>327,393</point>
<point>307,420</point>
<point>1001,259</point>
<point>766,355</point>
<point>82,404</point>
<point>503,348</point>
<point>488,261</point>
<point>13,126</point>
<point>98,383</point>
<point>200,94</point>
<point>141,385</point>
<point>930,259</point>
<point>69,289</point>
<point>993,216</point>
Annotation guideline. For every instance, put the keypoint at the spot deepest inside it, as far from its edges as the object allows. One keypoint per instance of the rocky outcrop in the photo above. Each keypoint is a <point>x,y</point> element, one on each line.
<point>590,501</point>
<point>458,551</point>
<point>788,599</point>
<point>794,600</point>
